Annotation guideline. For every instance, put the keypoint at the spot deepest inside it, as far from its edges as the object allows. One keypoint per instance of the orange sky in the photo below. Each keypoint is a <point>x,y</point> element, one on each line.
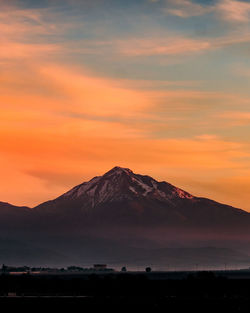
<point>69,110</point>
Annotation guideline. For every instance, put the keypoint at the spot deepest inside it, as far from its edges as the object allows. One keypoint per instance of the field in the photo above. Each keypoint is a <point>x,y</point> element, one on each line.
<point>172,292</point>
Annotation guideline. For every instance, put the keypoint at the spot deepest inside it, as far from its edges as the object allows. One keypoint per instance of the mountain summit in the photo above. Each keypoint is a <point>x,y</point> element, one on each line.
<point>122,184</point>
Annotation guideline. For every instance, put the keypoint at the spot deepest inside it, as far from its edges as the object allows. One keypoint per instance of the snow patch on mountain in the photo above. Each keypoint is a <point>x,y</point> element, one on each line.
<point>142,185</point>
<point>133,189</point>
<point>85,188</point>
<point>158,191</point>
<point>182,194</point>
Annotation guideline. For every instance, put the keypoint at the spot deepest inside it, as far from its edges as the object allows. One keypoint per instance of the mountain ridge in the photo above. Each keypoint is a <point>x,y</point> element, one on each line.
<point>120,193</point>
<point>121,189</point>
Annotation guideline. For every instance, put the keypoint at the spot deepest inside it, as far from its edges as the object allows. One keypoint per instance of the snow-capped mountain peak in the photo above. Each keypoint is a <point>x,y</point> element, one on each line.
<point>121,183</point>
<point>117,170</point>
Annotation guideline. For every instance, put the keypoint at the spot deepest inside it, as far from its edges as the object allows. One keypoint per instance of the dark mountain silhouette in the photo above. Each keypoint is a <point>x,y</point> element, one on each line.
<point>6,208</point>
<point>125,198</point>
<point>125,216</point>
<point>12,217</point>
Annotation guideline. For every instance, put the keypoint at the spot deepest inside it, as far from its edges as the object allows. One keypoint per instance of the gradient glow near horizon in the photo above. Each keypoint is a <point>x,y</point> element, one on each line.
<point>158,86</point>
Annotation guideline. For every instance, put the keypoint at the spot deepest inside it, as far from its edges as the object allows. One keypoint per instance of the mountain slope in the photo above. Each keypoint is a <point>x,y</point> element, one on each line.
<point>7,208</point>
<point>9,212</point>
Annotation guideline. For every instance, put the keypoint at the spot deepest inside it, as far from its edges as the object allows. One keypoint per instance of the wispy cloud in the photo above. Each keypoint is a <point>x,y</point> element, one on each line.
<point>25,33</point>
<point>177,45</point>
<point>166,46</point>
<point>16,22</point>
<point>186,8</point>
<point>236,118</point>
<point>228,10</point>
<point>14,50</point>
<point>234,11</point>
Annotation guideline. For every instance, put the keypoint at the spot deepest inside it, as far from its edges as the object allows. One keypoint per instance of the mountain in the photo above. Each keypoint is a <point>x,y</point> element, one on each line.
<point>123,216</point>
<point>11,215</point>
<point>6,208</point>
<point>124,198</point>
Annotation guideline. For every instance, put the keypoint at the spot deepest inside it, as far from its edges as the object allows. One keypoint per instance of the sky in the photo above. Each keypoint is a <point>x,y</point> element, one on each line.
<point>157,86</point>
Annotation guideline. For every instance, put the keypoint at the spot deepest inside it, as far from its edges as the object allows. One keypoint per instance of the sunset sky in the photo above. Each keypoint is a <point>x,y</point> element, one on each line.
<point>158,86</point>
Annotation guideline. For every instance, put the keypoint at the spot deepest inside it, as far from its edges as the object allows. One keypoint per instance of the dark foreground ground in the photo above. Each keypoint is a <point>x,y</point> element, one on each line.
<point>171,292</point>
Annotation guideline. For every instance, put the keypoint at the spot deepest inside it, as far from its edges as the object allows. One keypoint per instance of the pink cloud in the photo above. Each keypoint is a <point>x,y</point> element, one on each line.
<point>228,10</point>
<point>234,11</point>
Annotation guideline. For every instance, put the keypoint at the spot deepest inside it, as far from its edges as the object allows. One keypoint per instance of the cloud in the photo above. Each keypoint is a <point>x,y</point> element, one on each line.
<point>176,45</point>
<point>234,11</point>
<point>186,8</point>
<point>77,94</point>
<point>207,137</point>
<point>50,96</point>
<point>25,34</point>
<point>19,24</point>
<point>14,50</point>
<point>97,96</point>
<point>168,46</point>
<point>63,123</point>
<point>31,32</point>
<point>228,10</point>
<point>236,118</point>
